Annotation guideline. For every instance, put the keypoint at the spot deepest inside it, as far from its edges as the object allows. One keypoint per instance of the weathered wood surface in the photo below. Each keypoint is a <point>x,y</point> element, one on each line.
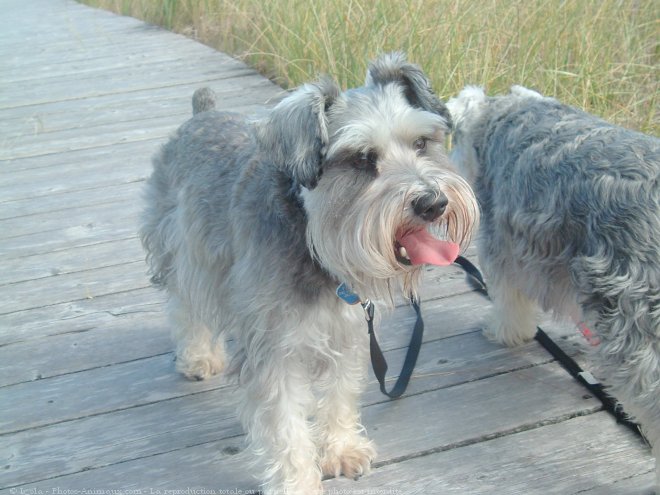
<point>88,394</point>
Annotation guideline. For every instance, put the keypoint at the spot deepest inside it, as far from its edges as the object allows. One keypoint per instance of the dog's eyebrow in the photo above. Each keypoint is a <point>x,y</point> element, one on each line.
<point>376,135</point>
<point>346,156</point>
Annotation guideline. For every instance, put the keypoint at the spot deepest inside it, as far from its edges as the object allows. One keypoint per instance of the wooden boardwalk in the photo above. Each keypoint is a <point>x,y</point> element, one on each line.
<point>89,399</point>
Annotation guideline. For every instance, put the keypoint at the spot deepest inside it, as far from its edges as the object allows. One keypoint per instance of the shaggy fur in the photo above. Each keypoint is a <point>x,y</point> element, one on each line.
<point>252,223</point>
<point>570,222</point>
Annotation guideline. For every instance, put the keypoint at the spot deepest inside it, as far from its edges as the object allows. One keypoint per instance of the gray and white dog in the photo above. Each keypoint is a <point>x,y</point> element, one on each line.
<point>571,223</point>
<point>252,223</point>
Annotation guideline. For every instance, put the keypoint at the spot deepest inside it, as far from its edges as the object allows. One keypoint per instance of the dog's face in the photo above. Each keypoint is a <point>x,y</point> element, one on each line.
<point>467,112</point>
<point>380,194</point>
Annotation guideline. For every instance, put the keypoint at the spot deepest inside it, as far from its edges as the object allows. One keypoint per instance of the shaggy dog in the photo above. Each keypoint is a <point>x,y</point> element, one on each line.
<point>571,223</point>
<point>252,224</point>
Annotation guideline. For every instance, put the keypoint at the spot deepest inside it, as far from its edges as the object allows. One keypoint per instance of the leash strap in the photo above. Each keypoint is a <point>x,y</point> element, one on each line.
<point>476,281</point>
<point>378,362</point>
<point>584,377</point>
<point>587,380</point>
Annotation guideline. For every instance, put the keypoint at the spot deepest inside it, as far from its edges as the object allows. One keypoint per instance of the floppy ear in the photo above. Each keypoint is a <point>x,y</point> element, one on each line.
<point>393,67</point>
<point>295,133</point>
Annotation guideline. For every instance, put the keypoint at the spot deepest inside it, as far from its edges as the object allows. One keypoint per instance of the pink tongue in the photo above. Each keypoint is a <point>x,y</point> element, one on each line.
<point>423,248</point>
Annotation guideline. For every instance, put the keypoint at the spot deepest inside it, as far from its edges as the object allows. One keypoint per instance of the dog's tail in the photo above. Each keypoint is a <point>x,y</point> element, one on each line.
<point>203,100</point>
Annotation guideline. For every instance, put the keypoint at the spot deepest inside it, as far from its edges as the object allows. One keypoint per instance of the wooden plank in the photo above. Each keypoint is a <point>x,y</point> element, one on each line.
<point>107,41</point>
<point>72,260</point>
<point>90,169</point>
<point>42,167</point>
<point>154,102</point>
<point>55,237</point>
<point>454,360</point>
<point>110,56</point>
<point>584,453</point>
<point>23,210</point>
<point>52,221</point>
<point>128,82</point>
<point>80,115</point>
<point>144,432</point>
<point>135,308</point>
<point>160,41</point>
<point>22,147</point>
<point>100,325</point>
<point>77,395</point>
<point>157,129</point>
<point>72,20</point>
<point>41,175</point>
<point>72,287</point>
<point>637,484</point>
<point>107,439</point>
<point>210,466</point>
<point>185,63</point>
<point>90,34</point>
<point>125,339</point>
<point>513,401</point>
<point>443,317</point>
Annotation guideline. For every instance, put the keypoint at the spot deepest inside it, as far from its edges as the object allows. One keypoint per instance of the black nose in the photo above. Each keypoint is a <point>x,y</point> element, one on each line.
<point>430,206</point>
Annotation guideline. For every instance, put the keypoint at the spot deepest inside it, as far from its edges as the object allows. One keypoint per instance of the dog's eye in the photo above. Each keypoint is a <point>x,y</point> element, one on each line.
<point>420,144</point>
<point>366,160</point>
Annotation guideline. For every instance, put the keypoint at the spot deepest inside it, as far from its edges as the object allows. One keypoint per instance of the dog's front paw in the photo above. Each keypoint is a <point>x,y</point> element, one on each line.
<point>199,368</point>
<point>352,459</point>
<point>508,335</point>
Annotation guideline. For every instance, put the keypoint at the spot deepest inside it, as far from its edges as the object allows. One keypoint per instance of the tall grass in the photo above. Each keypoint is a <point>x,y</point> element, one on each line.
<point>601,55</point>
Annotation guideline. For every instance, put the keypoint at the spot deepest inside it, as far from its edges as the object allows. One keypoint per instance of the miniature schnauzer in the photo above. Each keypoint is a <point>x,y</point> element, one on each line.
<point>570,210</point>
<point>252,224</point>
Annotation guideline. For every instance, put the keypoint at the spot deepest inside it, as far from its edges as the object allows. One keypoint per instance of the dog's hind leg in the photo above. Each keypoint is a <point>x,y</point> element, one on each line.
<point>622,295</point>
<point>199,353</point>
<point>656,454</point>
<point>633,378</point>
<point>638,392</point>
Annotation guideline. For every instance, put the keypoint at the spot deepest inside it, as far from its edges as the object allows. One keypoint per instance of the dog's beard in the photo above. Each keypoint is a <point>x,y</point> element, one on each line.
<point>355,237</point>
<point>462,216</point>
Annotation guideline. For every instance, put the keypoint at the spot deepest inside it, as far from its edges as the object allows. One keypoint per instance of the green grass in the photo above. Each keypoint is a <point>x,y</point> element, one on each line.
<point>600,55</point>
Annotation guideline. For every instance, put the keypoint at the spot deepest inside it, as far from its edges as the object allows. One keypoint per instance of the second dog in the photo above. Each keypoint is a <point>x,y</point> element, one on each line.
<point>571,223</point>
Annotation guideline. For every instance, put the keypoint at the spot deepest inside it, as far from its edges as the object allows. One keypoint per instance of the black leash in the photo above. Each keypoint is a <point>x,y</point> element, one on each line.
<point>378,362</point>
<point>476,281</point>
<point>584,377</point>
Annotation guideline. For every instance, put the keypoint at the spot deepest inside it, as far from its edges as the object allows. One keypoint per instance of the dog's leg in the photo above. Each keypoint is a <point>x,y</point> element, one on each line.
<point>643,408</point>
<point>620,296</point>
<point>513,320</point>
<point>650,424</point>
<point>199,354</point>
<point>632,378</point>
<point>344,448</point>
<point>274,408</point>
<point>656,454</point>
<point>649,420</point>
